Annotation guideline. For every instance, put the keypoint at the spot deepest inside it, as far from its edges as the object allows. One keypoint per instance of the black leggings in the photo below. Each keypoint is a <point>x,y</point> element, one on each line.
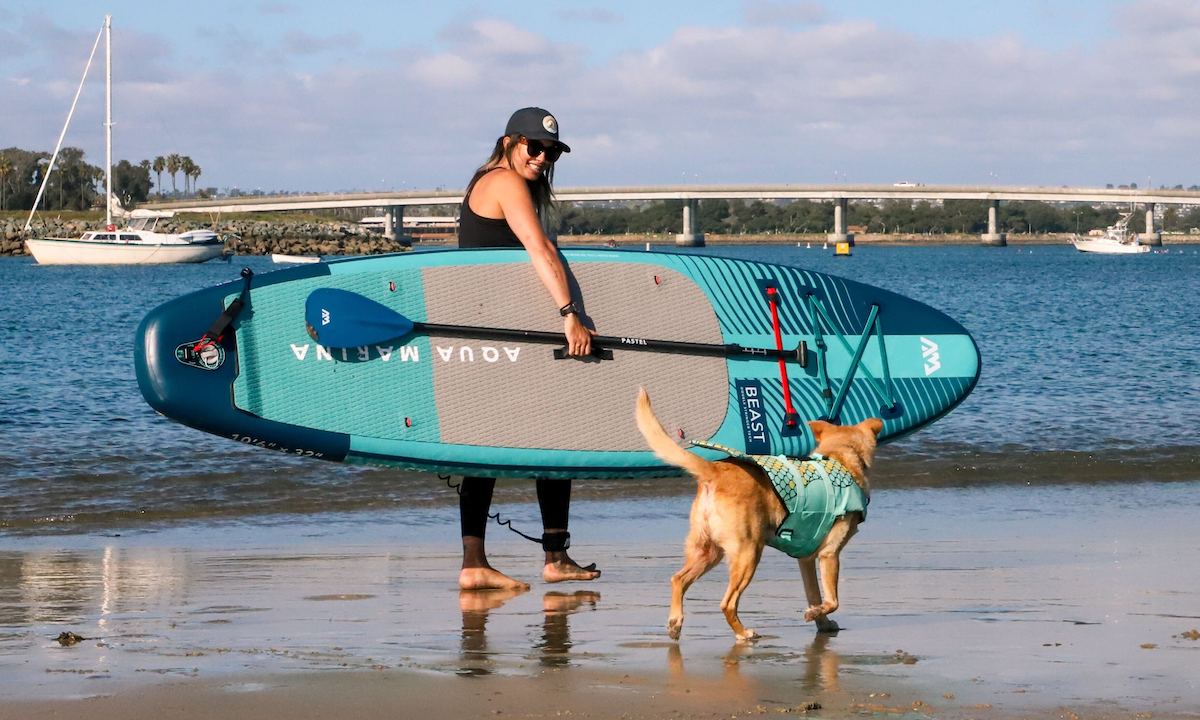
<point>475,498</point>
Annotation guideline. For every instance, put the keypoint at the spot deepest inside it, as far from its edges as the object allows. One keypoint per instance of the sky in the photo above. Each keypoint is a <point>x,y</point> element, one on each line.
<point>373,96</point>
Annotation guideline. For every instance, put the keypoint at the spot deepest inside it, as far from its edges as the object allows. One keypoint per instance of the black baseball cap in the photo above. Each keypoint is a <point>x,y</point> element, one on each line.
<point>535,123</point>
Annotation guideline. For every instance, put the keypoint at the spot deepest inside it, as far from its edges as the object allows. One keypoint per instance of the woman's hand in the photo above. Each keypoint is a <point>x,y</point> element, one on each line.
<point>579,337</point>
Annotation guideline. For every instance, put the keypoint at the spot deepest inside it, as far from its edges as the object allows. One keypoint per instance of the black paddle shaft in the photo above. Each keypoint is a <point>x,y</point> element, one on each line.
<point>607,343</point>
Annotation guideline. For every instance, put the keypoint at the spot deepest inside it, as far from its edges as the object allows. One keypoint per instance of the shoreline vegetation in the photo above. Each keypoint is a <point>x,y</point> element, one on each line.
<point>300,234</point>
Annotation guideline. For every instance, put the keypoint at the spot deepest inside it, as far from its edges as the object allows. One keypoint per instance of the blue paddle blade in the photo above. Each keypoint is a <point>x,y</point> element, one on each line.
<point>343,319</point>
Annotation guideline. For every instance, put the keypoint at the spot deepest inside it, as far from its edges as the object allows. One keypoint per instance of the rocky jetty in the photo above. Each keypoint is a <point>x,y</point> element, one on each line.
<point>242,237</point>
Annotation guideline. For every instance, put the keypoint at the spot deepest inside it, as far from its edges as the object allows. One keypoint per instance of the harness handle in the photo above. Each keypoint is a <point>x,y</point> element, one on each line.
<point>791,418</point>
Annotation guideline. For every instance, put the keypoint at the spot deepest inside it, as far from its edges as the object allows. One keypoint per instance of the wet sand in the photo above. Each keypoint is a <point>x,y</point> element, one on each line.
<point>992,603</point>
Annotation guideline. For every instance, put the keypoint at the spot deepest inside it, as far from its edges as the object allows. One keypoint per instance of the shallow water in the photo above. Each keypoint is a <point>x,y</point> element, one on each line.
<point>1090,374</point>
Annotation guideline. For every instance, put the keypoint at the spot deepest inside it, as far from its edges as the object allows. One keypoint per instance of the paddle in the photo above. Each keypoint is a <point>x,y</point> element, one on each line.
<point>343,319</point>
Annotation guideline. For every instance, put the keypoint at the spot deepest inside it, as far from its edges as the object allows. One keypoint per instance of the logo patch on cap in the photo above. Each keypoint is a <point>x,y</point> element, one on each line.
<point>550,124</point>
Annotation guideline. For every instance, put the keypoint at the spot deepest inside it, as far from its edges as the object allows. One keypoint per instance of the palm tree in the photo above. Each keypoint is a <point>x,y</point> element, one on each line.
<point>6,167</point>
<point>160,164</point>
<point>174,161</point>
<point>195,176</point>
<point>186,166</point>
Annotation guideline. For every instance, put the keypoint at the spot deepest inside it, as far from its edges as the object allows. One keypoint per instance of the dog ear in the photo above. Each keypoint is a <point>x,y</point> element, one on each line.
<point>818,428</point>
<point>875,425</point>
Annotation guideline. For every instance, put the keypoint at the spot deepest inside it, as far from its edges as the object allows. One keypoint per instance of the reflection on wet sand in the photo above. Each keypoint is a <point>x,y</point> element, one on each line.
<point>353,597</point>
<point>820,664</point>
<point>554,643</point>
<point>475,606</point>
<point>71,587</point>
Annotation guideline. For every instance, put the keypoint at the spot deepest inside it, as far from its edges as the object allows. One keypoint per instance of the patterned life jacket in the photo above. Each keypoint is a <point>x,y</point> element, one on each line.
<point>816,491</point>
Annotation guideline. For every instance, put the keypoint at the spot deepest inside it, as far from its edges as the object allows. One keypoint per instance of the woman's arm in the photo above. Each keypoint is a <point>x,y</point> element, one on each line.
<point>516,203</point>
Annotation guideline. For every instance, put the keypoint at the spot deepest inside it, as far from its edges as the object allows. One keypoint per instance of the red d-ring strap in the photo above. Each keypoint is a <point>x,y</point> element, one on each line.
<point>792,418</point>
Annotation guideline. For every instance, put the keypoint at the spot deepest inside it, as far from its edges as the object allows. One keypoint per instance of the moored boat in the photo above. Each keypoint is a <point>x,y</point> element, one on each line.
<point>284,259</point>
<point>1116,240</point>
<point>137,243</point>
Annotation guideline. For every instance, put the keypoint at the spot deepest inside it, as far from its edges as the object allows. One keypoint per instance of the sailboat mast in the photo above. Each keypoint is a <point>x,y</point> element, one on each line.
<point>108,122</point>
<point>70,114</point>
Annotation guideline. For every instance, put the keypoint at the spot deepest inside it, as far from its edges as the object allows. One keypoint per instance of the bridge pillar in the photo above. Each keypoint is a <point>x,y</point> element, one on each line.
<point>393,225</point>
<point>991,237</point>
<point>839,233</point>
<point>1150,237</point>
<point>691,235</point>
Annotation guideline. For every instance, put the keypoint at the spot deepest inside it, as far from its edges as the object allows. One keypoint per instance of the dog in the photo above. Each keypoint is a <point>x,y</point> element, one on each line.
<point>737,511</point>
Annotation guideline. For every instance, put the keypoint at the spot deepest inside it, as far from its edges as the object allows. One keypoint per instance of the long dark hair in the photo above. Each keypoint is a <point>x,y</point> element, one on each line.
<point>541,189</point>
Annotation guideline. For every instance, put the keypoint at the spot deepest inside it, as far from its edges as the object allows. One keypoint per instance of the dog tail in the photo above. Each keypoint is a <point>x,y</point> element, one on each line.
<point>661,443</point>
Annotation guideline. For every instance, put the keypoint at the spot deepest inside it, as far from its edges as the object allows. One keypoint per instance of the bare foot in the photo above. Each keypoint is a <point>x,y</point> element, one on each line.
<point>566,569</point>
<point>486,578</point>
<point>557,602</point>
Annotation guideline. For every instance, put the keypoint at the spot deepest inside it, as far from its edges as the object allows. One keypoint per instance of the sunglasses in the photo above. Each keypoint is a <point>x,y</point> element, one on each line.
<point>537,147</point>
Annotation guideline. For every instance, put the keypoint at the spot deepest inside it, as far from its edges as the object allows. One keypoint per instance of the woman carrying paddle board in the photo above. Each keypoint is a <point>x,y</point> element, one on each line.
<point>502,207</point>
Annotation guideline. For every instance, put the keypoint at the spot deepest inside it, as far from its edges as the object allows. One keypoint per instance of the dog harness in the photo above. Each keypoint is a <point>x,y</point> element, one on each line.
<point>816,491</point>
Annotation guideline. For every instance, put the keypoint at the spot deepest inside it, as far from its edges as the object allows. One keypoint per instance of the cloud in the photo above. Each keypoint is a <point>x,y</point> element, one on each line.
<point>497,39</point>
<point>776,13</point>
<point>813,100</point>
<point>302,43</point>
<point>596,15</point>
<point>446,71</point>
<point>275,8</point>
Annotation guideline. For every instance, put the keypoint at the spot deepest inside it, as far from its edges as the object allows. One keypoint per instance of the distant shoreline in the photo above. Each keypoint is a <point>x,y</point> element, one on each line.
<point>249,234</point>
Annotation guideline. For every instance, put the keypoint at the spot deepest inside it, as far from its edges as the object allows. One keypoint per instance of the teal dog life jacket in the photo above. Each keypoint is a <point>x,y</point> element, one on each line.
<point>815,491</point>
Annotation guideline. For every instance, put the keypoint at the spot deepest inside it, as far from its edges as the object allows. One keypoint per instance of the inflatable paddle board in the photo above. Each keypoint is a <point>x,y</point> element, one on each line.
<point>452,361</point>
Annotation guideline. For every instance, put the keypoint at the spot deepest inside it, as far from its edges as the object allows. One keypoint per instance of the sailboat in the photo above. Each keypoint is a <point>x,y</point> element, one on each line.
<point>138,243</point>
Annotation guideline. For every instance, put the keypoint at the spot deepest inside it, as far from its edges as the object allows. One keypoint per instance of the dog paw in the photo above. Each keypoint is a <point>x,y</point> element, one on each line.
<point>825,625</point>
<point>747,635</point>
<point>820,615</point>
<point>674,628</point>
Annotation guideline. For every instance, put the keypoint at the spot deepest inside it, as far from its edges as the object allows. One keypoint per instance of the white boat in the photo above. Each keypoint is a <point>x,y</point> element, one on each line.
<point>283,259</point>
<point>1116,240</point>
<point>138,242</point>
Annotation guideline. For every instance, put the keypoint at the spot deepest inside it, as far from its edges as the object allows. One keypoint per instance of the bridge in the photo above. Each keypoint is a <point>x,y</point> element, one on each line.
<point>393,203</point>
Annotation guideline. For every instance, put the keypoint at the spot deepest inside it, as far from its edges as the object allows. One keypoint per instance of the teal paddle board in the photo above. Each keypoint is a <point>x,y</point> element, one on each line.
<point>451,361</point>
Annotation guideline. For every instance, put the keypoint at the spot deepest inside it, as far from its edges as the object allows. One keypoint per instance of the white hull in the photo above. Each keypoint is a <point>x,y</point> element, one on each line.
<point>1116,240</point>
<point>293,259</point>
<point>1109,247</point>
<point>63,251</point>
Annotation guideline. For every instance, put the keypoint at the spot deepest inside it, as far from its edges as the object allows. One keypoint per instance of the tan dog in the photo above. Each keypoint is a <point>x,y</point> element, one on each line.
<point>736,511</point>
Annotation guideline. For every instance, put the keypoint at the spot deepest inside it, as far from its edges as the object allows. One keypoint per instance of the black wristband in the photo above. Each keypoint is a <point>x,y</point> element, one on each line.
<point>568,309</point>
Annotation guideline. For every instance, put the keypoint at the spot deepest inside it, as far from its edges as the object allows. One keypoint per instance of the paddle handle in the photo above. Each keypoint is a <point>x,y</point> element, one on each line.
<point>611,342</point>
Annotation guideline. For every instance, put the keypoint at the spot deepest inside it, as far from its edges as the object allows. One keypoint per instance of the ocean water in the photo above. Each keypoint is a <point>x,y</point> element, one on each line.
<point>1091,373</point>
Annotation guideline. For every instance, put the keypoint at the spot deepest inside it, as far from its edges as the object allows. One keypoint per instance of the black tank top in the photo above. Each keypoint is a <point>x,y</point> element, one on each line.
<point>476,231</point>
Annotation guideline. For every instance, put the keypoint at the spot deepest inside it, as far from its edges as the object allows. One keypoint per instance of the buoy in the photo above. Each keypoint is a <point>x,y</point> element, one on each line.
<point>842,250</point>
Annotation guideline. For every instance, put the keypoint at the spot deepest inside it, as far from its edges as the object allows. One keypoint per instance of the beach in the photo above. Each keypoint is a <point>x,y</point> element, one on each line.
<point>1013,601</point>
<point>1029,555</point>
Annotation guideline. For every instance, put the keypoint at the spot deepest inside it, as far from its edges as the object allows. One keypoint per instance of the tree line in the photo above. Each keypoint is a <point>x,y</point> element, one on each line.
<point>76,184</point>
<point>891,216</point>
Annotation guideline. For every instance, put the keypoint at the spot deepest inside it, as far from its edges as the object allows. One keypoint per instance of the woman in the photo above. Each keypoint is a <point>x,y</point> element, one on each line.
<point>503,207</point>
